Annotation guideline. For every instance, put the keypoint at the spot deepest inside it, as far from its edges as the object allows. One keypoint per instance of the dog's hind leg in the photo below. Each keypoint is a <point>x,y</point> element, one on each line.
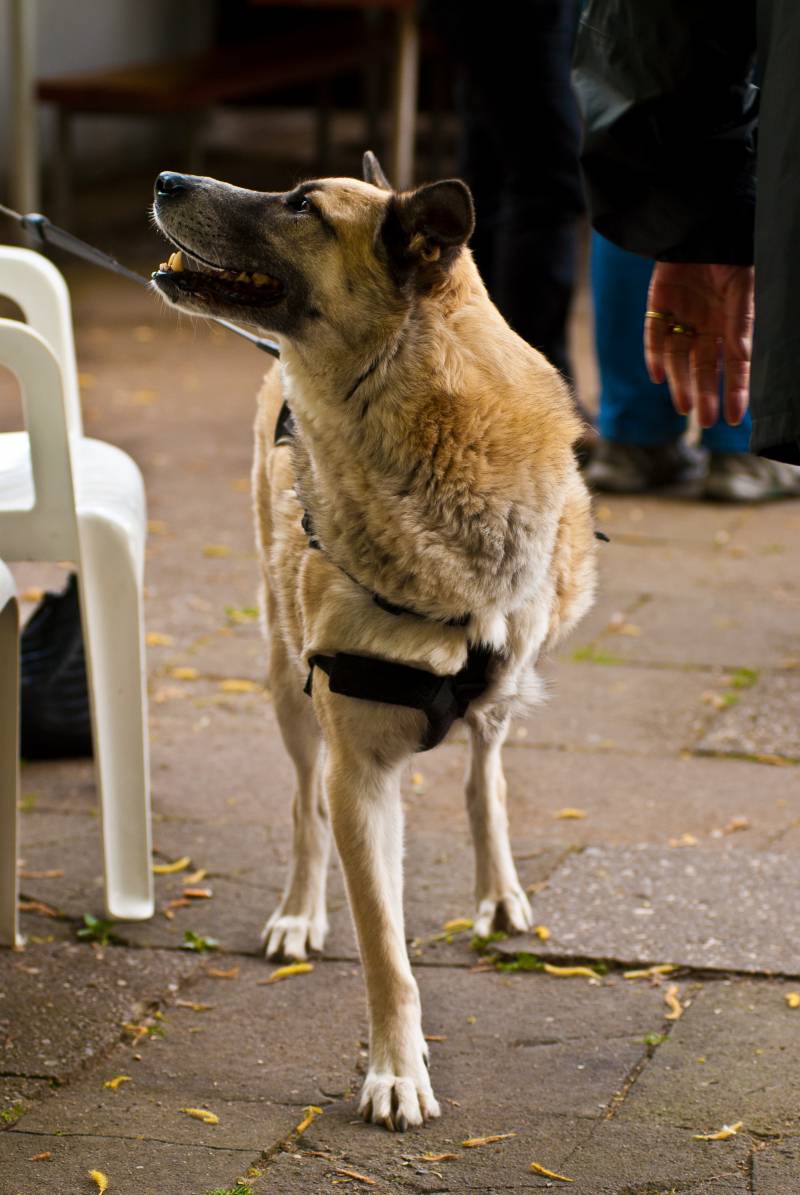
<point>300,923</point>
<point>501,902</point>
<point>366,811</point>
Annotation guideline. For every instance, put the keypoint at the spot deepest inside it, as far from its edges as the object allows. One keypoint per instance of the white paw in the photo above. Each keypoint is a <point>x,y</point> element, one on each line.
<point>293,937</point>
<point>510,913</point>
<point>398,1102</point>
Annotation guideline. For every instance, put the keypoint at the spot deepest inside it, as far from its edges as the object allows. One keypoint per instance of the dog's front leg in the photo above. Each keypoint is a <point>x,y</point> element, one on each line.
<point>501,902</point>
<point>366,812</point>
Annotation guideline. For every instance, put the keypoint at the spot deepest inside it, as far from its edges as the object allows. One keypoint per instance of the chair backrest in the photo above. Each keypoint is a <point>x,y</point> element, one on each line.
<point>47,530</point>
<point>39,289</point>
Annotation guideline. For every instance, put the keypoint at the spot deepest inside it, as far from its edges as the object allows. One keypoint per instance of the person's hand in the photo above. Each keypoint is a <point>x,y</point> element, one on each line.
<point>699,326</point>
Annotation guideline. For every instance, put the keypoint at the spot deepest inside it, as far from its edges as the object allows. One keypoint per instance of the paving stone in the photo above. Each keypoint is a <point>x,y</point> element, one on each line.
<point>63,1005</point>
<point>765,721</point>
<point>150,1167</point>
<point>731,1057</point>
<point>776,1169</point>
<point>727,909</point>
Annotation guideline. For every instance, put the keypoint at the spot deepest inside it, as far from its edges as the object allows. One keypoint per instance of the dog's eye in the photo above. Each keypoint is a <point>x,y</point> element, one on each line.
<point>299,204</point>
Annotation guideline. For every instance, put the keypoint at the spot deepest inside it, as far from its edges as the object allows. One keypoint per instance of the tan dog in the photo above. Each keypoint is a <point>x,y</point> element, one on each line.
<point>433,453</point>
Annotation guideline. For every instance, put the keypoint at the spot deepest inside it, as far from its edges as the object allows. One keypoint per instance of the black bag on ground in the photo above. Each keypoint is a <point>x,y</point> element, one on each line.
<point>55,720</point>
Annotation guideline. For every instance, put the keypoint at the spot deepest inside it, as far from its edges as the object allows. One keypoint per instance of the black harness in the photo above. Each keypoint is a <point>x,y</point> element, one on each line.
<point>442,699</point>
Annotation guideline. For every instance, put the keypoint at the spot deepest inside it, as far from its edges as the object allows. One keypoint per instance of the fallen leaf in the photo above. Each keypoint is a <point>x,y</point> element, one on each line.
<point>359,1178</point>
<point>287,972</point>
<point>217,973</point>
<point>571,972</point>
<point>474,1142</point>
<point>672,1002</point>
<point>193,1005</point>
<point>101,1179</point>
<point>137,1032</point>
<point>168,869</point>
<point>559,1178</point>
<point>792,999</point>
<point>201,1114</point>
<point>233,685</point>
<point>542,932</point>
<point>157,639</point>
<point>38,906</point>
<point>684,840</point>
<point>458,925</point>
<point>54,874</point>
<point>311,1114</point>
<point>650,972</point>
<point>179,672</point>
<point>196,876</point>
<point>737,823</point>
<point>570,814</point>
<point>437,1158</point>
<point>180,902</point>
<point>212,550</point>
<point>727,1130</point>
<point>436,1037</point>
<point>198,893</point>
<point>42,1157</point>
<point>117,1081</point>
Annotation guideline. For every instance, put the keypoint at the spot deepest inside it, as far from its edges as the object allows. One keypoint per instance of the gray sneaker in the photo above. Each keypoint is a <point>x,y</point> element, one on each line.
<point>633,468</point>
<point>742,477</point>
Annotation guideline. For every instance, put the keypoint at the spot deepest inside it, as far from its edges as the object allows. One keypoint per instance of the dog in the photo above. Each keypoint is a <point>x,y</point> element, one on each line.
<point>422,528</point>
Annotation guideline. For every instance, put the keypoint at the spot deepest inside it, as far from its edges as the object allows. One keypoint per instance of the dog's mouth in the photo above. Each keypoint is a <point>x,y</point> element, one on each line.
<point>186,276</point>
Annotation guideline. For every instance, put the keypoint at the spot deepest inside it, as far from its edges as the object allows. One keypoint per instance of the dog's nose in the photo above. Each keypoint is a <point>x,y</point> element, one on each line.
<point>169,184</point>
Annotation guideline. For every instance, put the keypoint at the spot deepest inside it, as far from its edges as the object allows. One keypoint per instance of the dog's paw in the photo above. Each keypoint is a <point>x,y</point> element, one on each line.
<point>291,937</point>
<point>398,1102</point>
<point>510,914</point>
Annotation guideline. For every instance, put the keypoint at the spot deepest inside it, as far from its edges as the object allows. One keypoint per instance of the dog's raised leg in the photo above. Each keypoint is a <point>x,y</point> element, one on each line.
<point>300,922</point>
<point>366,810</point>
<point>501,902</point>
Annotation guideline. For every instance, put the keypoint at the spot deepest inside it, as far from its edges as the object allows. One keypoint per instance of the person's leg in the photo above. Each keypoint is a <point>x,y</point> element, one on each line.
<point>641,443</point>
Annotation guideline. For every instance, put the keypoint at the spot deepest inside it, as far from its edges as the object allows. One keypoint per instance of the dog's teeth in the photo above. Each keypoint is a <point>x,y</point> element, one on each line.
<point>163,267</point>
<point>243,278</point>
<point>176,262</point>
<point>261,279</point>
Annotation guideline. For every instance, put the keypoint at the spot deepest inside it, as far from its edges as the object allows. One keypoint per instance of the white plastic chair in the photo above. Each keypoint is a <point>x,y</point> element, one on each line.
<point>64,496</point>
<point>9,757</point>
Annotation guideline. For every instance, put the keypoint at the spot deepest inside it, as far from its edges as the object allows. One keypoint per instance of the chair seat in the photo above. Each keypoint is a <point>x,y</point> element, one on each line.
<point>108,484</point>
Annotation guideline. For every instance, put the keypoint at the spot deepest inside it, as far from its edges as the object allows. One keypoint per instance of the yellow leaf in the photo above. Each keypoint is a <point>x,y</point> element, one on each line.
<point>542,932</point>
<point>474,1142</point>
<point>359,1178</point>
<point>792,999</point>
<point>672,1002</point>
<point>234,685</point>
<point>180,672</point>
<point>101,1179</point>
<point>287,972</point>
<point>168,869</point>
<point>437,1158</point>
<point>212,550</point>
<point>42,1157</point>
<point>570,814</point>
<point>117,1081</point>
<point>737,823</point>
<point>198,893</point>
<point>727,1130</point>
<point>193,1005</point>
<point>157,639</point>
<point>571,972</point>
<point>559,1178</point>
<point>196,876</point>
<point>201,1114</point>
<point>458,925</point>
<point>216,973</point>
<point>311,1114</point>
<point>649,972</point>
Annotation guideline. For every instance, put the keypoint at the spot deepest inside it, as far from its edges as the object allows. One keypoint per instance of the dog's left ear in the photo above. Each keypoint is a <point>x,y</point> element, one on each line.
<point>373,172</point>
<point>430,223</point>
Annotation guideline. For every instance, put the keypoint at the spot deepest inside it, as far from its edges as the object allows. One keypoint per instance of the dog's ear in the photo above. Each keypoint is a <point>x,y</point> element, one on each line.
<point>373,172</point>
<point>429,224</point>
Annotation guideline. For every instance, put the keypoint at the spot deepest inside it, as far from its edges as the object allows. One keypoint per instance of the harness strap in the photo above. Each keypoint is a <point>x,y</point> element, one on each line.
<point>442,699</point>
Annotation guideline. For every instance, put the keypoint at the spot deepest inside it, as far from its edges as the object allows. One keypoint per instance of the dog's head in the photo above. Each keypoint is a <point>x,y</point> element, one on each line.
<point>336,250</point>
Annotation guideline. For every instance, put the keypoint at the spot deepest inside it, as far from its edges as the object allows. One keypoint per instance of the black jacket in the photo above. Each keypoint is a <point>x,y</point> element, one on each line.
<point>669,159</point>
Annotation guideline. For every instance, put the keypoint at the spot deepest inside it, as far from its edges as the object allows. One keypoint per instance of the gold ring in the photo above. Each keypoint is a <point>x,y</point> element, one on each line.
<point>656,315</point>
<point>681,329</point>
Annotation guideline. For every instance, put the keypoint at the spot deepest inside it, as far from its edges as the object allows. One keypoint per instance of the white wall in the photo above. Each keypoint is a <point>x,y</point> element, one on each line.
<point>78,35</point>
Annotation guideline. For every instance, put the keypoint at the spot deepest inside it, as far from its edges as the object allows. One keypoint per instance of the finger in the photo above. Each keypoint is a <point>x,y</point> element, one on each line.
<point>676,366</point>
<point>738,346</point>
<point>655,333</point>
<point>737,390</point>
<point>704,357</point>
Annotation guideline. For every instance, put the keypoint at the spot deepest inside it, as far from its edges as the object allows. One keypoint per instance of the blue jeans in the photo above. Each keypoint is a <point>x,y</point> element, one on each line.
<point>632,409</point>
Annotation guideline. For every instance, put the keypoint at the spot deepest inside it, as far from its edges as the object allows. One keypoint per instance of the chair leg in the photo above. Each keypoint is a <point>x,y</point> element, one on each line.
<point>111,606</point>
<point>9,771</point>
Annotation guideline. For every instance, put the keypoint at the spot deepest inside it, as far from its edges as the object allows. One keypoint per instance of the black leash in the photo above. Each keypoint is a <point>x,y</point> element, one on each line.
<point>47,233</point>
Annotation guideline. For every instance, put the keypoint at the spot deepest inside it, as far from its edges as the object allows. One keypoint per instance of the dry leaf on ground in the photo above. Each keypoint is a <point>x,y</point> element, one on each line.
<point>311,1114</point>
<point>737,823</point>
<point>117,1081</point>
<point>287,972</point>
<point>571,972</point>
<point>237,685</point>
<point>55,873</point>
<point>218,973</point>
<point>201,1114</point>
<point>198,893</point>
<point>542,932</point>
<point>168,869</point>
<point>42,1157</point>
<point>38,906</point>
<point>183,672</point>
<point>359,1178</point>
<point>437,1158</point>
<point>727,1130</point>
<point>792,999</point>
<point>158,639</point>
<point>211,550</point>
<point>650,972</point>
<point>458,925</point>
<point>474,1142</point>
<point>672,1002</point>
<point>570,814</point>
<point>559,1178</point>
<point>100,1179</point>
